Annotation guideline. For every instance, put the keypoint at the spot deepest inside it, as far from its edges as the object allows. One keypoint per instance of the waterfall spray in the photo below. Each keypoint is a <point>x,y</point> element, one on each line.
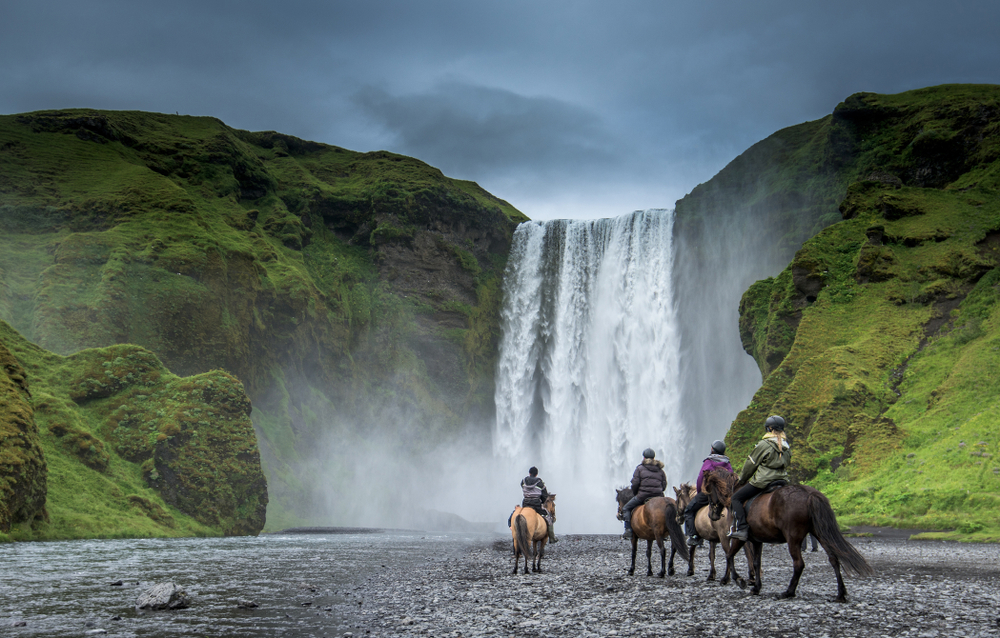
<point>588,374</point>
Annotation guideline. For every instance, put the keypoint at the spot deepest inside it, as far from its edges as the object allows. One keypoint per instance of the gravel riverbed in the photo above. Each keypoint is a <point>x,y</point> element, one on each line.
<point>925,589</point>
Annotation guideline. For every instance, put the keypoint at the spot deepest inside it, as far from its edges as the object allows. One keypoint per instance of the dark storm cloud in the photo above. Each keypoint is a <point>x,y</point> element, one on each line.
<point>577,108</point>
<point>487,130</point>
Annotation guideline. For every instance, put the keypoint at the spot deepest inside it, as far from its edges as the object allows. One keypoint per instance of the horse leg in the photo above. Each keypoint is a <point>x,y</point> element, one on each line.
<point>663,557</point>
<point>649,558</point>
<point>711,559</point>
<point>734,546</point>
<point>795,549</point>
<point>757,549</point>
<point>541,552</point>
<point>841,589</point>
<point>635,544</point>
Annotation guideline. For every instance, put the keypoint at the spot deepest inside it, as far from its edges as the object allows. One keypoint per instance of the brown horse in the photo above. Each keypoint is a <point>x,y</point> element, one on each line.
<point>787,515</point>
<point>654,520</point>
<point>712,531</point>
<point>530,533</point>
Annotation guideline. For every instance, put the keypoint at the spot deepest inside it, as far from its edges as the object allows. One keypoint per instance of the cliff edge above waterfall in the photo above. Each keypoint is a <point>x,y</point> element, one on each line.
<point>880,342</point>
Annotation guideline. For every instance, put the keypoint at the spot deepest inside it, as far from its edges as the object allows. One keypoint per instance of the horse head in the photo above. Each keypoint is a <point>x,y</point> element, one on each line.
<point>550,506</point>
<point>622,497</point>
<point>718,484</point>
<point>684,494</point>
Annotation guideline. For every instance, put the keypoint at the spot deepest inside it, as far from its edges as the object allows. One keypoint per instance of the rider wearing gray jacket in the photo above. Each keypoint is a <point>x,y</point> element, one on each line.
<point>535,495</point>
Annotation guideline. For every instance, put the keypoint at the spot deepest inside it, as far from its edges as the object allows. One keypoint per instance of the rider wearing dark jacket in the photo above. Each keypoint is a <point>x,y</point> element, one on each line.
<point>715,460</point>
<point>648,481</point>
<point>767,463</point>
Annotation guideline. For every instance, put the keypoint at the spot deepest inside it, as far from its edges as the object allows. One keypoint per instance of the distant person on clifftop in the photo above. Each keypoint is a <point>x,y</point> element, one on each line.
<point>766,465</point>
<point>648,481</point>
<point>716,459</point>
<point>535,494</point>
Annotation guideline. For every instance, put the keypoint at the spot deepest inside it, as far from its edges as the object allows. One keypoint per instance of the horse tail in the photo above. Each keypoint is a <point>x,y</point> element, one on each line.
<point>824,524</point>
<point>523,537</point>
<point>674,528</point>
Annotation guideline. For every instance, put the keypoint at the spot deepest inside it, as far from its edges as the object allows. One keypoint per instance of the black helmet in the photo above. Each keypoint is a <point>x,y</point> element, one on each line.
<point>648,453</point>
<point>718,447</point>
<point>775,423</point>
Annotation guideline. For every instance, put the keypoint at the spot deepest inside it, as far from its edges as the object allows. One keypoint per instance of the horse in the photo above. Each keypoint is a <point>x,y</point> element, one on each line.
<point>787,515</point>
<point>530,533</point>
<point>714,531</point>
<point>654,520</point>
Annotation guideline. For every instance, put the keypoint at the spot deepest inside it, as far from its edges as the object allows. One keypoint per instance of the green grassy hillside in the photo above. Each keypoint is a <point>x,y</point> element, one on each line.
<point>339,287</point>
<point>125,448</point>
<point>880,342</point>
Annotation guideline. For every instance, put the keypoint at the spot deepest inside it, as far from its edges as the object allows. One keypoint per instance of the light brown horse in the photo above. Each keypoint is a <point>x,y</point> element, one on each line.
<point>654,520</point>
<point>712,531</point>
<point>787,515</point>
<point>530,533</point>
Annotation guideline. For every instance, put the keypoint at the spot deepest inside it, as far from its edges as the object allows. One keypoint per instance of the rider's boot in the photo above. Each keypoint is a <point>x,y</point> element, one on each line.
<point>693,540</point>
<point>628,531</point>
<point>552,534</point>
<point>740,530</point>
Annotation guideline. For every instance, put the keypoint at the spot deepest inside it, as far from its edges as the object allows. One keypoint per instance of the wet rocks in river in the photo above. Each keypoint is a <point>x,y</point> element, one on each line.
<point>162,596</point>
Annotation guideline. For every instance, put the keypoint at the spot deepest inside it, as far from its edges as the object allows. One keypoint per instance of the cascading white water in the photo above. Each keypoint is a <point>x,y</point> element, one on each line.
<point>588,373</point>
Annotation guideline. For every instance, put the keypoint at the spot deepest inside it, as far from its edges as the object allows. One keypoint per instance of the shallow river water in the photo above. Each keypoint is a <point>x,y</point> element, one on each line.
<point>302,583</point>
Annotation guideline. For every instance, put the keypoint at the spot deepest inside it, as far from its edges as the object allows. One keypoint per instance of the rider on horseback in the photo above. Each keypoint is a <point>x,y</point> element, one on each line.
<point>715,460</point>
<point>534,495</point>
<point>648,481</point>
<point>767,463</point>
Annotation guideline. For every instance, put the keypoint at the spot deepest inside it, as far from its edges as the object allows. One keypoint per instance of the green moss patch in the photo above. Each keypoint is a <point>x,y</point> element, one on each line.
<point>880,343</point>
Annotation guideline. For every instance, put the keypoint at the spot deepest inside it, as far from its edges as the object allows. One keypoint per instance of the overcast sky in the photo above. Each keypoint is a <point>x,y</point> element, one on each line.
<point>565,109</point>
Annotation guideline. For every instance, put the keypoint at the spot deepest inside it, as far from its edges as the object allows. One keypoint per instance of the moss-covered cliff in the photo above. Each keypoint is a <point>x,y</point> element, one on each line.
<point>129,448</point>
<point>880,342</point>
<point>340,287</point>
<point>22,463</point>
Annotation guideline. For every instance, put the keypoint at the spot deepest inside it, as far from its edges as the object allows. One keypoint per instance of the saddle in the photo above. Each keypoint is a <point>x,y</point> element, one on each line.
<point>775,485</point>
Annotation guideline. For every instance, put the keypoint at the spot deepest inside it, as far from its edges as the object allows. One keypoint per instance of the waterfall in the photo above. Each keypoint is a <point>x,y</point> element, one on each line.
<point>588,374</point>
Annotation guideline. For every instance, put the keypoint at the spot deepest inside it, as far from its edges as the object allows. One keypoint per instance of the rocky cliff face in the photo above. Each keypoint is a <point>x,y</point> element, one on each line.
<point>340,287</point>
<point>878,342</point>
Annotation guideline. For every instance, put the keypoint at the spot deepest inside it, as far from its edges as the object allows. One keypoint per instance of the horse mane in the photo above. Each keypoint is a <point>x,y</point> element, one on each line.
<point>723,480</point>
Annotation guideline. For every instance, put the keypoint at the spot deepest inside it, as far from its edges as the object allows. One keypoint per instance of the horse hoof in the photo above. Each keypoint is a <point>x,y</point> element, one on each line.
<point>711,577</point>
<point>671,572</point>
<point>661,575</point>
<point>742,583</point>
<point>631,572</point>
<point>784,596</point>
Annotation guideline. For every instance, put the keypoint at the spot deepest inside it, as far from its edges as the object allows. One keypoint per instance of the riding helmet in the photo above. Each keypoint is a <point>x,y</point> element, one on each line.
<point>718,447</point>
<point>648,453</point>
<point>775,423</point>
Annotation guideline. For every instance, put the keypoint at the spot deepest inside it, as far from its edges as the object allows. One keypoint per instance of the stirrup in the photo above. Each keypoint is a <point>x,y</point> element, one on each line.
<point>738,534</point>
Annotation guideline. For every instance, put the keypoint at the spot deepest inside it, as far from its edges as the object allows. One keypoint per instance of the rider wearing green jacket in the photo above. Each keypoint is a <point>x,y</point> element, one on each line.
<point>767,463</point>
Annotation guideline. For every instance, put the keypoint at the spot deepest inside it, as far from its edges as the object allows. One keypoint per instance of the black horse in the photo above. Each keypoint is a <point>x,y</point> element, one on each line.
<point>787,515</point>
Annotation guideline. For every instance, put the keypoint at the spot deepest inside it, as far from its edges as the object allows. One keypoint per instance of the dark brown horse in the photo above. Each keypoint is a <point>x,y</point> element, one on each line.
<point>714,531</point>
<point>530,532</point>
<point>787,515</point>
<point>654,520</point>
